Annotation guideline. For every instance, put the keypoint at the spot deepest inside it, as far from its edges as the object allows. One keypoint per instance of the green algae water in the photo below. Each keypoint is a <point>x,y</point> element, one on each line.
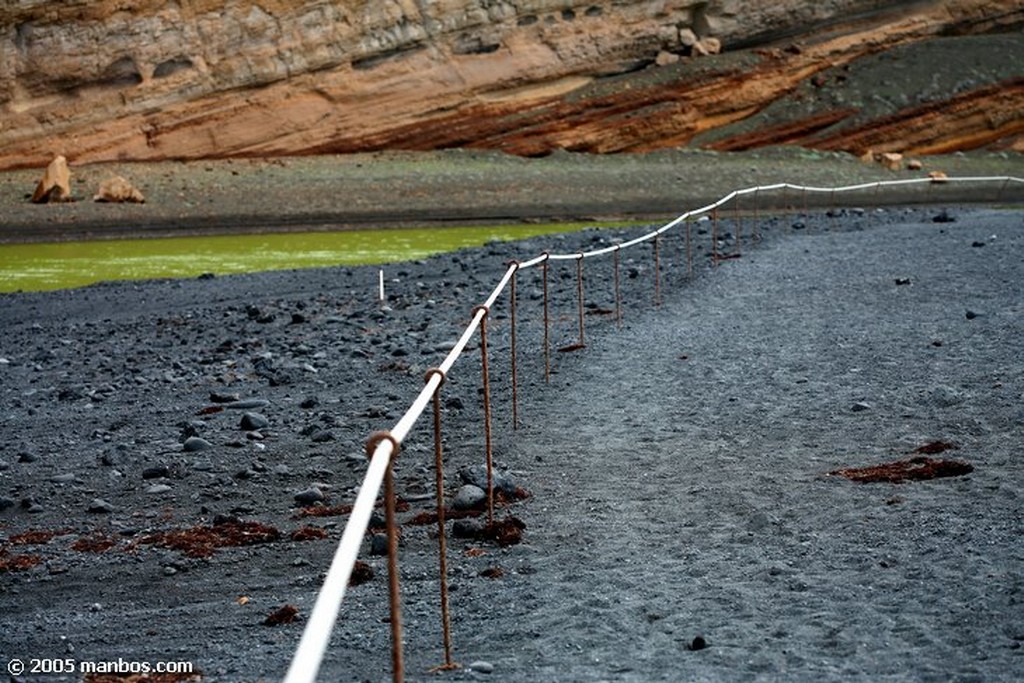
<point>64,265</point>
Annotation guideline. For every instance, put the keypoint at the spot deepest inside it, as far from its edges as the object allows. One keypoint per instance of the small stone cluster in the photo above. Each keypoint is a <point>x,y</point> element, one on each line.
<point>55,187</point>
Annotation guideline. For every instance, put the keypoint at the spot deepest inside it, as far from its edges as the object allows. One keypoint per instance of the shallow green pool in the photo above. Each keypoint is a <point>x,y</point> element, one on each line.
<point>35,267</point>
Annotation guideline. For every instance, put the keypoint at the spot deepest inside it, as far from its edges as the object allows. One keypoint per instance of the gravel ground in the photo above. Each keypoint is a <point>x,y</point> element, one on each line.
<point>396,189</point>
<point>678,465</point>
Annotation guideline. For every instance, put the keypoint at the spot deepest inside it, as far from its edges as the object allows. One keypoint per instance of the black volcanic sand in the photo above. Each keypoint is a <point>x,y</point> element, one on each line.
<point>678,465</point>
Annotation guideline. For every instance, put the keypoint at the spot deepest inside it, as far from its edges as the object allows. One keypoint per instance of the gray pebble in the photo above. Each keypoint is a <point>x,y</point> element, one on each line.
<point>469,497</point>
<point>477,476</point>
<point>860,407</point>
<point>100,506</point>
<point>310,496</point>
<point>6,503</point>
<point>482,667</point>
<point>158,488</point>
<point>247,404</point>
<point>66,478</point>
<point>322,436</point>
<point>251,422</point>
<point>379,544</point>
<point>466,528</point>
<point>196,443</point>
<point>156,472</point>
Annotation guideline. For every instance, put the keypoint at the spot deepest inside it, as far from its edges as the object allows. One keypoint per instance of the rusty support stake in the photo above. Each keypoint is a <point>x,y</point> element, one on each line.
<point>755,234</point>
<point>394,594</point>
<point>657,272</point>
<point>833,209</point>
<point>689,251</point>
<point>515,382</point>
<point>999,194</point>
<point>714,236</point>
<point>397,665</point>
<point>618,290</point>
<point>878,214</point>
<point>487,412</point>
<point>739,225</point>
<point>579,295</point>
<point>547,323</point>
<point>442,541</point>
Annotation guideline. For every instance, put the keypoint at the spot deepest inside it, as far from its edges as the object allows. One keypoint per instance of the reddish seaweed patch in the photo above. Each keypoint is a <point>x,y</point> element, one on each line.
<point>915,469</point>
<point>308,533</point>
<point>430,516</point>
<point>935,447</point>
<point>203,541</point>
<point>504,532</point>
<point>97,543</point>
<point>492,573</point>
<point>324,511</point>
<point>17,563</point>
<point>341,510</point>
<point>37,536</point>
<point>282,615</point>
<point>361,573</point>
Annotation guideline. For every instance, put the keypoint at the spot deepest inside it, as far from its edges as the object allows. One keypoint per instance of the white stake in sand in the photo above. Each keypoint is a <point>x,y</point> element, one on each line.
<point>381,281</point>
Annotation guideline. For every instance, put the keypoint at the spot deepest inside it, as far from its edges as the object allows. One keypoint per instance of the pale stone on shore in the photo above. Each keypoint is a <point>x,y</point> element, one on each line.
<point>707,46</point>
<point>55,185</point>
<point>116,189</point>
<point>665,58</point>
<point>892,160</point>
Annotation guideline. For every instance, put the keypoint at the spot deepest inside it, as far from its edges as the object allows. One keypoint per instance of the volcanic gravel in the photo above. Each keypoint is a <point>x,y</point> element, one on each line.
<point>177,458</point>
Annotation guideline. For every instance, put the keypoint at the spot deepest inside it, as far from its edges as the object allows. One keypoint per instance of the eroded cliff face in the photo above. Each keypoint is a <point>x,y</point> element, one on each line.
<point>145,80</point>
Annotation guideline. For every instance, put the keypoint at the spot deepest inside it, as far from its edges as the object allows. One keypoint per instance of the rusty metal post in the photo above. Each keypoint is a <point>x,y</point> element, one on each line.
<point>487,411</point>
<point>618,291</point>
<point>394,593</point>
<point>657,272</point>
<point>689,251</point>
<point>833,209</point>
<point>442,541</point>
<point>394,596</point>
<point>999,194</point>
<point>739,225</point>
<point>714,236</point>
<point>547,323</point>
<point>515,382</point>
<point>878,214</point>
<point>579,295</point>
<point>755,234</point>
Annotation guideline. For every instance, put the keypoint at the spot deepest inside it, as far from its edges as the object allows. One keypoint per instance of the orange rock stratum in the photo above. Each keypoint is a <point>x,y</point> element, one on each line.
<point>102,80</point>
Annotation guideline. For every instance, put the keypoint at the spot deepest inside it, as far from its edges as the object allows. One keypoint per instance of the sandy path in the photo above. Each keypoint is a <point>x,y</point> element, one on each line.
<point>688,497</point>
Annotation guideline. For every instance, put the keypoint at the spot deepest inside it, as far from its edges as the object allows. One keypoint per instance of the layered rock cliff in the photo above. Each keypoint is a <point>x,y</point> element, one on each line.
<point>102,80</point>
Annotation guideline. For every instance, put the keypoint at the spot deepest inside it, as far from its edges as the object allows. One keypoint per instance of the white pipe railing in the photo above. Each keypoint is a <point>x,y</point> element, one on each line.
<point>306,662</point>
